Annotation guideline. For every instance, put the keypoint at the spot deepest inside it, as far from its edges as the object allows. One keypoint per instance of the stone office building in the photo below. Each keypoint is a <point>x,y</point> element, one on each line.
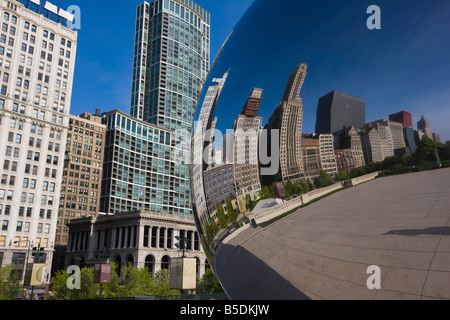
<point>141,238</point>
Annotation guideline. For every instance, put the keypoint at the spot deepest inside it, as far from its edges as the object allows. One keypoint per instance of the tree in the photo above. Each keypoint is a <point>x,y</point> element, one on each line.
<point>231,212</point>
<point>209,284</point>
<point>343,175</point>
<point>425,150</point>
<point>324,180</point>
<point>162,284</point>
<point>223,221</point>
<point>267,193</point>
<point>9,283</point>
<point>88,289</point>
<point>289,188</point>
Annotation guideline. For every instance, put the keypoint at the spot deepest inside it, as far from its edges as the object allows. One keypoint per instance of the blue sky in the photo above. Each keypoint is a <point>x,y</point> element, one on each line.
<point>105,48</point>
<point>403,66</point>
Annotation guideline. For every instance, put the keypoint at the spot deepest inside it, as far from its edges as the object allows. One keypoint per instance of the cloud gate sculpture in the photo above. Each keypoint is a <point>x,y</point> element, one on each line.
<point>264,142</point>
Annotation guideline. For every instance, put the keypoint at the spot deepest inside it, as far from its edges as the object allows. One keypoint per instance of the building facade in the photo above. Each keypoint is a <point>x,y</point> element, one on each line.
<point>344,159</point>
<point>142,239</point>
<point>81,179</point>
<point>139,171</point>
<point>288,120</point>
<point>337,110</point>
<point>327,155</point>
<point>424,126</point>
<point>350,138</point>
<point>171,62</point>
<point>403,117</point>
<point>37,60</point>
<point>246,131</point>
<point>371,145</point>
<point>311,157</point>
<point>219,185</point>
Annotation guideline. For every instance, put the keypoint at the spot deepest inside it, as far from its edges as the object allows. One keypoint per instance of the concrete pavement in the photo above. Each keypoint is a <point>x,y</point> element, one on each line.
<point>399,223</point>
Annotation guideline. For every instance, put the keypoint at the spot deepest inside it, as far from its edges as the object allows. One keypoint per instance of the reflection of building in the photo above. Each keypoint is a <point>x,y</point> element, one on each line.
<point>424,126</point>
<point>82,176</point>
<point>219,185</point>
<point>337,110</point>
<point>344,159</point>
<point>203,139</point>
<point>311,157</point>
<point>436,137</point>
<point>142,239</point>
<point>410,140</point>
<point>386,140</point>
<point>140,171</point>
<point>34,118</point>
<point>371,145</point>
<point>246,130</point>
<point>318,154</point>
<point>403,117</point>
<point>349,138</point>
<point>171,62</point>
<point>288,119</point>
<point>391,130</point>
<point>327,158</point>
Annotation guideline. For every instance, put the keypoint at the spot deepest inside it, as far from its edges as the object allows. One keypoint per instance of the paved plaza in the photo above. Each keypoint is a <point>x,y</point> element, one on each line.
<point>398,223</point>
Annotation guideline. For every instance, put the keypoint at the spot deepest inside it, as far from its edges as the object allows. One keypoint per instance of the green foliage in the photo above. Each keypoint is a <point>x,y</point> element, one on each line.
<point>343,175</point>
<point>209,284</point>
<point>231,212</point>
<point>267,192</point>
<point>223,220</point>
<point>9,283</point>
<point>133,282</point>
<point>425,150</point>
<point>324,180</point>
<point>88,289</point>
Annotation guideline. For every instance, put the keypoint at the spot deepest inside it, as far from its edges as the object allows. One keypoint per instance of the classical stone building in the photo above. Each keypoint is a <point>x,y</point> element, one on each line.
<point>37,65</point>
<point>142,239</point>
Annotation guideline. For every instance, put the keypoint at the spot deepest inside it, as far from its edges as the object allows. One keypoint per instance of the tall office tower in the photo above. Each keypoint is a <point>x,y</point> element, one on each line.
<point>36,64</point>
<point>424,126</point>
<point>246,130</point>
<point>143,168</point>
<point>82,177</point>
<point>171,62</point>
<point>370,141</point>
<point>403,117</point>
<point>327,157</point>
<point>337,110</point>
<point>288,119</point>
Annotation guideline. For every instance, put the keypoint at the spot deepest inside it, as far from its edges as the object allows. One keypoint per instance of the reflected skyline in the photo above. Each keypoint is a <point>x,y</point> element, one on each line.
<point>289,56</point>
<point>341,54</point>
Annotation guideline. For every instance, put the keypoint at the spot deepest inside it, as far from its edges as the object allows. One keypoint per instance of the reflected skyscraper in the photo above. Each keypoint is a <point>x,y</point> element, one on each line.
<point>288,119</point>
<point>338,109</point>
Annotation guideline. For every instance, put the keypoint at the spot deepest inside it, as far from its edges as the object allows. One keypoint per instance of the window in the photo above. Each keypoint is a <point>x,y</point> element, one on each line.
<point>5,225</point>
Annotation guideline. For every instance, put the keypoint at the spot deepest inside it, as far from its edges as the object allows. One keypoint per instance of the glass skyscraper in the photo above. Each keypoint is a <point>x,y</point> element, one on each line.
<point>142,169</point>
<point>171,62</point>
